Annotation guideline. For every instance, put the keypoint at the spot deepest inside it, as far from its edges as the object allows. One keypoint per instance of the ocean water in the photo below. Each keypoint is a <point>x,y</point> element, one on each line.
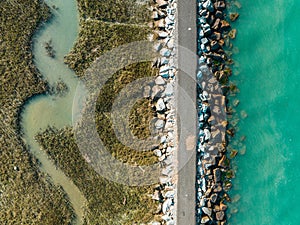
<point>268,75</point>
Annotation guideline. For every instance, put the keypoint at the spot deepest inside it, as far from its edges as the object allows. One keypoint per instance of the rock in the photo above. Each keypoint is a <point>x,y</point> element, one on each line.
<point>219,14</point>
<point>164,180</point>
<point>170,222</point>
<point>160,81</point>
<point>162,158</point>
<point>225,26</point>
<point>220,215</point>
<point>159,124</point>
<point>155,15</point>
<point>208,5</point>
<point>170,194</point>
<point>232,34</point>
<point>147,90</point>
<point>214,45</point>
<point>213,198</point>
<point>169,89</point>
<point>217,175</point>
<point>205,219</point>
<point>163,139</point>
<point>161,3</point>
<point>157,152</point>
<point>165,52</point>
<point>223,207</point>
<point>207,211</point>
<point>169,150</point>
<point>156,90</point>
<point>233,16</point>
<point>164,69</point>
<point>155,223</point>
<point>166,205</point>
<point>159,23</point>
<point>220,5</point>
<point>170,43</point>
<point>160,105</point>
<point>162,34</point>
<point>216,24</point>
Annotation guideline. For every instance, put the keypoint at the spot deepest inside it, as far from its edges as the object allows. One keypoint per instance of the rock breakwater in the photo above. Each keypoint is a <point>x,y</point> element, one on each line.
<point>213,168</point>
<point>162,94</point>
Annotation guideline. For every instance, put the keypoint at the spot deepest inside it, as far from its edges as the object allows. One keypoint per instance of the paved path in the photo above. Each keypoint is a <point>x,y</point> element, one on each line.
<point>187,115</point>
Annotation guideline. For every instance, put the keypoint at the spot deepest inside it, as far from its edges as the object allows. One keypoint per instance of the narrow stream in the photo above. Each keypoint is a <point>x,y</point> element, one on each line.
<point>44,110</point>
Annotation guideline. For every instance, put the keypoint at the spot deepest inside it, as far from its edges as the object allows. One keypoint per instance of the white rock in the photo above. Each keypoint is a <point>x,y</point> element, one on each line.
<point>169,89</point>
<point>163,139</point>
<point>160,81</point>
<point>166,205</point>
<point>159,124</point>
<point>160,105</point>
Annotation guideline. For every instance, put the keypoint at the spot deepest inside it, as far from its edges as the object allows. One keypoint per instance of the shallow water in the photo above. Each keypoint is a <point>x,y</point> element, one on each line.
<point>268,176</point>
<point>44,110</point>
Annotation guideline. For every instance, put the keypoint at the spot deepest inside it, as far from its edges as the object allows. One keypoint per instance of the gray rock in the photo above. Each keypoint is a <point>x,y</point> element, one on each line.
<point>147,90</point>
<point>169,89</point>
<point>157,46</point>
<point>156,90</point>
<point>159,124</point>
<point>170,43</point>
<point>162,34</point>
<point>165,52</point>
<point>160,81</point>
<point>217,175</point>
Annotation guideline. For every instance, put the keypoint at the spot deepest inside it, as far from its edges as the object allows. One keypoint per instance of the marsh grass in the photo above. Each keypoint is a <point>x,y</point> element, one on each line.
<point>26,195</point>
<point>108,202</point>
<point>105,25</point>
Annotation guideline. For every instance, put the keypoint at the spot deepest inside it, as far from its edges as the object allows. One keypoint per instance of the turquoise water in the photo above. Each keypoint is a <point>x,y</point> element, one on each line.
<point>44,110</point>
<point>268,176</point>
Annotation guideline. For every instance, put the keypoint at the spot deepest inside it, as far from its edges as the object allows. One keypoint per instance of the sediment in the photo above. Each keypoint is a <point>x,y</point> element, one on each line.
<point>213,167</point>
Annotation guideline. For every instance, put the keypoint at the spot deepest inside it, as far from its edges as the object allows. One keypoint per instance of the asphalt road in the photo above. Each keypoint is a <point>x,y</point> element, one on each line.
<point>186,109</point>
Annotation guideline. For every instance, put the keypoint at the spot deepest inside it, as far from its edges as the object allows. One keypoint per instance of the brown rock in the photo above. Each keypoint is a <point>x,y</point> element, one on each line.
<point>205,219</point>
<point>232,34</point>
<point>216,24</point>
<point>225,26</point>
<point>233,16</point>
<point>213,198</point>
<point>220,215</point>
<point>223,207</point>
<point>220,5</point>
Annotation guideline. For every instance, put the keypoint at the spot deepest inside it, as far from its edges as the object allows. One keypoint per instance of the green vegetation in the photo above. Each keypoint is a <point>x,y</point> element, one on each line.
<point>121,11</point>
<point>26,195</point>
<point>108,202</point>
<point>105,25</point>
